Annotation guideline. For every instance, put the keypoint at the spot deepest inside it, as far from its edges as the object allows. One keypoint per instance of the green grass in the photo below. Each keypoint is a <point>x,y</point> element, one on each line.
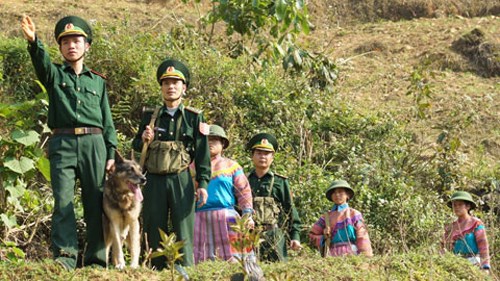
<point>304,266</point>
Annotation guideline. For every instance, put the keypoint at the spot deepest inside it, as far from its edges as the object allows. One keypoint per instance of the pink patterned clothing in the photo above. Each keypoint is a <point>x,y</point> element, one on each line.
<point>468,239</point>
<point>348,234</point>
<point>212,233</point>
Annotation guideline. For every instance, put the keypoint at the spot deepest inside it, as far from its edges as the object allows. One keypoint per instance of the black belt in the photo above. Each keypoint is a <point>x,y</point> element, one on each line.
<point>77,131</point>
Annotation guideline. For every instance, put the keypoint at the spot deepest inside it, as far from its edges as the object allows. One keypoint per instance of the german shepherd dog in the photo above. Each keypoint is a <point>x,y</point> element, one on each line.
<point>122,205</point>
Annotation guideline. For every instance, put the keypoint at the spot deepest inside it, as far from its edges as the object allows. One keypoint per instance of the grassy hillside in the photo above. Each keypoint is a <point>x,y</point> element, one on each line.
<point>413,116</point>
<point>376,59</point>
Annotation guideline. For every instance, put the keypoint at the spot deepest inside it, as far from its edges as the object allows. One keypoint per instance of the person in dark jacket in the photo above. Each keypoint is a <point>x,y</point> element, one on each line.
<point>83,142</point>
<point>176,135</point>
<point>272,201</point>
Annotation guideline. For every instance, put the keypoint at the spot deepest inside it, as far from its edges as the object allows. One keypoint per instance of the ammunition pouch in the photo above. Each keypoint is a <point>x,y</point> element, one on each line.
<point>167,157</point>
<point>266,211</point>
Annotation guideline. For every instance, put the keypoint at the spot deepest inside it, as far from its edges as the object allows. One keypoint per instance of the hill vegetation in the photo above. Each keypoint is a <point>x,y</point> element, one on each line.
<point>400,98</point>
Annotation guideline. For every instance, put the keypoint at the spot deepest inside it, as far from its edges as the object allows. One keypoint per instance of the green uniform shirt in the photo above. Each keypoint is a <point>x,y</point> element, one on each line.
<point>195,142</point>
<point>74,100</point>
<point>281,193</point>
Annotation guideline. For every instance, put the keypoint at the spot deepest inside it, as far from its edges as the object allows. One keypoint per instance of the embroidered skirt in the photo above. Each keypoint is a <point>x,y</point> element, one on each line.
<point>343,249</point>
<point>213,236</point>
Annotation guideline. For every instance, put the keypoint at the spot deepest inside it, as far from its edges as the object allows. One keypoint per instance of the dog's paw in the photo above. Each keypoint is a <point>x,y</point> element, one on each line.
<point>120,266</point>
<point>134,266</point>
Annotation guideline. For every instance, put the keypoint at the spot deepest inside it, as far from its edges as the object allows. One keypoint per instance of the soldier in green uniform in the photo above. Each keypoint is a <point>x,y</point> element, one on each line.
<point>83,139</point>
<point>272,199</point>
<point>175,137</point>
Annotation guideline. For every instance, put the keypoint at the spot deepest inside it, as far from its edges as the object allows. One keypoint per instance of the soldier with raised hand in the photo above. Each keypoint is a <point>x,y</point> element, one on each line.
<point>175,136</point>
<point>83,141</point>
<point>272,201</point>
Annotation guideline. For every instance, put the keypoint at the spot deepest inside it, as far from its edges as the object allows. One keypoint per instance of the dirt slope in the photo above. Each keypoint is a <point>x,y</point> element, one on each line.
<point>376,59</point>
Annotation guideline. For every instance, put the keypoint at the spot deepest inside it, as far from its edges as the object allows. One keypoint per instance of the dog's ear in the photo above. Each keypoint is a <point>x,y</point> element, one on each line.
<point>118,157</point>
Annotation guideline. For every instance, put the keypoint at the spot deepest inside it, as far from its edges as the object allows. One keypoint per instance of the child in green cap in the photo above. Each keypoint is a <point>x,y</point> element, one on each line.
<point>466,236</point>
<point>341,231</point>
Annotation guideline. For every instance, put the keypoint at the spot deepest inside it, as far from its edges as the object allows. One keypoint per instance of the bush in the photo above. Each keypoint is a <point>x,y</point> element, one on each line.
<point>399,191</point>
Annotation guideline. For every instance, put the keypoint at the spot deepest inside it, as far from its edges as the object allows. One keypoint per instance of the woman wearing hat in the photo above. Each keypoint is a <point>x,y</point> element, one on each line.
<point>467,235</point>
<point>83,141</point>
<point>342,229</point>
<point>212,232</point>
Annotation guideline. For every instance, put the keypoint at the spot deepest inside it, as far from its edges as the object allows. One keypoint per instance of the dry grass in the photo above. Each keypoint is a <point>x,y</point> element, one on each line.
<point>375,58</point>
<point>483,54</point>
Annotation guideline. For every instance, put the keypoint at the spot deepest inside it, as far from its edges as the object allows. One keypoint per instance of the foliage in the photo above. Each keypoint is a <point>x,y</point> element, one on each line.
<point>272,27</point>
<point>248,238</point>
<point>14,60</point>
<point>170,250</point>
<point>411,266</point>
<point>24,170</point>
<point>420,88</point>
<point>401,183</point>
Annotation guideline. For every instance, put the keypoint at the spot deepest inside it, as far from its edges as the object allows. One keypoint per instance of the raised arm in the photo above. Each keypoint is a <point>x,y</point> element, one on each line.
<point>28,27</point>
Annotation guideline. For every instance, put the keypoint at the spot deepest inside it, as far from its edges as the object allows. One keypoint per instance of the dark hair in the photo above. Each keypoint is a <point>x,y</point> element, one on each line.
<point>469,204</point>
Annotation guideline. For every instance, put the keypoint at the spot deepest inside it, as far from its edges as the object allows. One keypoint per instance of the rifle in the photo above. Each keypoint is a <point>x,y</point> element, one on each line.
<point>146,144</point>
<point>326,248</point>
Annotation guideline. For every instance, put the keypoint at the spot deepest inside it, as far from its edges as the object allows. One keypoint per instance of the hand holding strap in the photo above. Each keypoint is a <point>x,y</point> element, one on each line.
<point>146,144</point>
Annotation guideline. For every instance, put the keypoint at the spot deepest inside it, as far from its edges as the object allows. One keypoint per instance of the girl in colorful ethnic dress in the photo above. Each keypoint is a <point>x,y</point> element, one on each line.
<point>212,231</point>
<point>467,235</point>
<point>341,231</point>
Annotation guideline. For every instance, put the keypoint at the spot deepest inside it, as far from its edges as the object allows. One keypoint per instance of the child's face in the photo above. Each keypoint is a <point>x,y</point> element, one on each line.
<point>460,208</point>
<point>215,145</point>
<point>340,196</point>
<point>73,47</point>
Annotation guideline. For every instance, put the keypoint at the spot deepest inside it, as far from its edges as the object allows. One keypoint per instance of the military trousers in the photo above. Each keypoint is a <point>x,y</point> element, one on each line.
<point>80,157</point>
<point>169,205</point>
<point>273,246</point>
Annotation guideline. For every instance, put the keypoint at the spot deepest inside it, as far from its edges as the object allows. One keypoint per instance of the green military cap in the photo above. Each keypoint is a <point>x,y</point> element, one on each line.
<point>218,131</point>
<point>339,184</point>
<point>173,69</point>
<point>263,141</point>
<point>464,196</point>
<point>72,25</point>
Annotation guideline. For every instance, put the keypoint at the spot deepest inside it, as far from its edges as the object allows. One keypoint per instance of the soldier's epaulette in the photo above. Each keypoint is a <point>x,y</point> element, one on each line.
<point>194,110</point>
<point>100,74</point>
<point>281,176</point>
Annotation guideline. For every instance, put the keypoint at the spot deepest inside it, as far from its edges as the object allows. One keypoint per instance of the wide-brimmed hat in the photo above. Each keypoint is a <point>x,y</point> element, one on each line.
<point>339,184</point>
<point>464,196</point>
<point>173,69</point>
<point>263,141</point>
<point>218,131</point>
<point>72,25</point>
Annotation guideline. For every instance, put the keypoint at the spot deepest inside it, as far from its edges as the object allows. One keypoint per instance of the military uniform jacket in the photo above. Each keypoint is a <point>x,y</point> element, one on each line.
<point>281,194</point>
<point>195,142</point>
<point>74,100</point>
